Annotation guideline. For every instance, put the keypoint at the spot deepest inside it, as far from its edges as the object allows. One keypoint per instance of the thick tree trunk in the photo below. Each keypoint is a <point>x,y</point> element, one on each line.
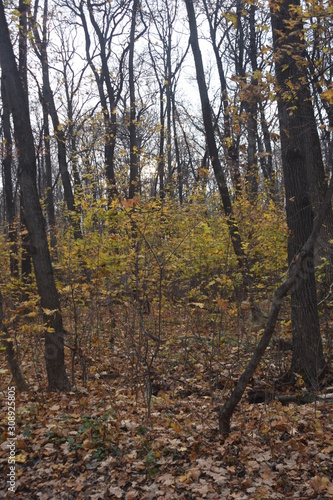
<point>304,183</point>
<point>54,340</point>
<point>292,73</point>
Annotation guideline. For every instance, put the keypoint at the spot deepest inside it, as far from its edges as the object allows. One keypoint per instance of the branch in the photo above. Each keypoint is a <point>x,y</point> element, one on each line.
<point>226,411</point>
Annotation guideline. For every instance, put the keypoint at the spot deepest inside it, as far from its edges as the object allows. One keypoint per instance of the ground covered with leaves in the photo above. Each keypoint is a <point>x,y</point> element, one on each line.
<point>114,437</point>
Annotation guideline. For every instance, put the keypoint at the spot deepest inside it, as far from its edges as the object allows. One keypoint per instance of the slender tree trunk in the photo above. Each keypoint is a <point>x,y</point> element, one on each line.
<point>109,115</point>
<point>210,138</point>
<point>178,161</point>
<point>8,183</point>
<point>48,177</point>
<point>26,264</point>
<point>134,150</point>
<point>169,102</point>
<point>41,51</point>
<point>252,107</point>
<point>267,160</point>
<point>161,156</point>
<point>298,142</point>
<point>54,334</point>
<point>230,145</point>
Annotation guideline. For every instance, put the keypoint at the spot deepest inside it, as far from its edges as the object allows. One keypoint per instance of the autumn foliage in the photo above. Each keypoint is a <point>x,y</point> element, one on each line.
<point>155,338</point>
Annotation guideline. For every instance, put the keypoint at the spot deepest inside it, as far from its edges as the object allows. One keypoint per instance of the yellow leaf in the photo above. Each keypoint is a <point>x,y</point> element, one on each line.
<point>175,426</point>
<point>327,95</point>
<point>197,304</point>
<point>49,312</point>
<point>21,458</point>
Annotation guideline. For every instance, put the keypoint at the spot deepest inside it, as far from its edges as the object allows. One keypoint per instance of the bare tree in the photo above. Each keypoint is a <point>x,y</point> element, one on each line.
<point>54,334</point>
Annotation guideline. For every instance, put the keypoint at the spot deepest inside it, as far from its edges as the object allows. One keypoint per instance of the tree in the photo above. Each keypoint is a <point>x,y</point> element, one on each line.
<point>304,184</point>
<point>134,146</point>
<point>8,183</point>
<point>54,333</point>
<point>231,144</point>
<point>166,60</point>
<point>40,46</point>
<point>106,24</point>
<point>211,143</point>
<point>295,273</point>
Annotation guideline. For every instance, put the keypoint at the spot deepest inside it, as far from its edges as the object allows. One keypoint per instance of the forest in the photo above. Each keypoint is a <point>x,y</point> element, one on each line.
<point>166,249</point>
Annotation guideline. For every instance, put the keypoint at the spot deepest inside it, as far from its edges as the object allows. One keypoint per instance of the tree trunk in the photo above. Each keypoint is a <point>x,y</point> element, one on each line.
<point>48,177</point>
<point>210,138</point>
<point>134,151</point>
<point>252,108</point>
<point>177,153</point>
<point>230,144</point>
<point>8,183</point>
<point>26,264</point>
<point>302,168</point>
<point>51,108</point>
<point>54,340</point>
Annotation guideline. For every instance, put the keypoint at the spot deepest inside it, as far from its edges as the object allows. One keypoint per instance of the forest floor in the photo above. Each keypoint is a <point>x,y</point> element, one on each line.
<point>99,440</point>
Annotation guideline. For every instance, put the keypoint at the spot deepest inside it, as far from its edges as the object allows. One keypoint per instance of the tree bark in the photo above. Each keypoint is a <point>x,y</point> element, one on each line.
<point>304,184</point>
<point>54,334</point>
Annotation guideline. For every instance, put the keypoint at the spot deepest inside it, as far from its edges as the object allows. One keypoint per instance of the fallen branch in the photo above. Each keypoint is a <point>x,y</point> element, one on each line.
<point>262,396</point>
<point>226,411</point>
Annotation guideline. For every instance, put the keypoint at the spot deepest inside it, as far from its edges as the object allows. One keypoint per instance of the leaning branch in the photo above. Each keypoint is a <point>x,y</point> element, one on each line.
<point>226,411</point>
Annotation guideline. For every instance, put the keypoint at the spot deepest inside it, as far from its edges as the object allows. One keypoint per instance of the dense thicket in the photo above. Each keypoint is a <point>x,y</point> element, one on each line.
<point>132,123</point>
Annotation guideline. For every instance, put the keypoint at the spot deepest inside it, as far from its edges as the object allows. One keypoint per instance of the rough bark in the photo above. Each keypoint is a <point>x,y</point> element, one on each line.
<point>54,341</point>
<point>304,183</point>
